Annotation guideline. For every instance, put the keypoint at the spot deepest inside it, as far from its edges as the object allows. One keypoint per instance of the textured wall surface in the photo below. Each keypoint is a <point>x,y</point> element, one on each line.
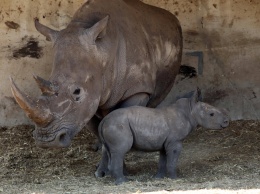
<point>221,51</point>
<point>225,33</point>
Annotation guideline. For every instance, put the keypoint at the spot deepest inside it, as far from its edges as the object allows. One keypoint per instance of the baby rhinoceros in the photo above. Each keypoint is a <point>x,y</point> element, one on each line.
<point>160,129</point>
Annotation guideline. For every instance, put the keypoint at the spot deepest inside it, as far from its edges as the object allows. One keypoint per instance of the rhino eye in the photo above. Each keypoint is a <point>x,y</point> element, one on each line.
<point>211,114</point>
<point>77,91</point>
<point>76,94</point>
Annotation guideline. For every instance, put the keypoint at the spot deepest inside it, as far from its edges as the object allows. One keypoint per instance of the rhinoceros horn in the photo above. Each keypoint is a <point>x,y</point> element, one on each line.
<point>46,87</point>
<point>36,111</point>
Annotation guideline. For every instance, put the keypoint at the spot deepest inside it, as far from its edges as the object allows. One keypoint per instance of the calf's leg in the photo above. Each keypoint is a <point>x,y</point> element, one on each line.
<point>118,139</point>
<point>102,169</point>
<point>116,167</point>
<point>173,151</point>
<point>161,165</point>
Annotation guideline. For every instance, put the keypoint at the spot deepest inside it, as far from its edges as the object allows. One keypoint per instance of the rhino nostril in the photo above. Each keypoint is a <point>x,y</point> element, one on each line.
<point>226,122</point>
<point>62,137</point>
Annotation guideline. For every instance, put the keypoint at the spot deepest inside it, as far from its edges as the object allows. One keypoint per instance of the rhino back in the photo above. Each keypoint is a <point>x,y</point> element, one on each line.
<point>151,45</point>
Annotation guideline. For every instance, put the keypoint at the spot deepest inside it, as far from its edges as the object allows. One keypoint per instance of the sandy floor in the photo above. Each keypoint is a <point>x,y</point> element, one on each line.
<point>225,161</point>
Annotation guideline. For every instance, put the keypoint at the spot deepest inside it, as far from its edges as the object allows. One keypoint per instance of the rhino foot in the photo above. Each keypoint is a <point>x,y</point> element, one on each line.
<point>159,176</point>
<point>172,176</point>
<point>102,173</point>
<point>97,146</point>
<point>120,180</point>
<point>125,170</point>
<point>99,174</point>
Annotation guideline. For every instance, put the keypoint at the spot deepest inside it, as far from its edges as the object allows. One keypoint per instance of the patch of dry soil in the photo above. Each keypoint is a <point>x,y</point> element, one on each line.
<point>211,159</point>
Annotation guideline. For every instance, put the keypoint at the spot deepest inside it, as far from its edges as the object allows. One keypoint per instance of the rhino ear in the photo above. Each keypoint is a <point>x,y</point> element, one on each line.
<point>199,94</point>
<point>195,97</point>
<point>50,34</point>
<point>99,29</point>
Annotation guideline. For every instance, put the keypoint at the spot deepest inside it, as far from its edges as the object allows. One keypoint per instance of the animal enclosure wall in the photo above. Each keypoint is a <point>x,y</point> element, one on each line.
<point>221,51</point>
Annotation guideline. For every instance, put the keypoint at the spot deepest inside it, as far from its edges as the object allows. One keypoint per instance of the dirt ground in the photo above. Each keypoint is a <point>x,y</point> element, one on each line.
<point>211,160</point>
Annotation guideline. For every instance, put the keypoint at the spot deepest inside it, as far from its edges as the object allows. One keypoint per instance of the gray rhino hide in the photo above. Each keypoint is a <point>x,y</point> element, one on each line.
<point>113,54</point>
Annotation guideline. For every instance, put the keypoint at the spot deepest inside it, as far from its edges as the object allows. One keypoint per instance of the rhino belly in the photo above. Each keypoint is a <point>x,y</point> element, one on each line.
<point>149,138</point>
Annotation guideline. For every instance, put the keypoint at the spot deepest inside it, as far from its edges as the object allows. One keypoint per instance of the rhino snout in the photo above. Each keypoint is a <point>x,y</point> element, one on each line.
<point>225,123</point>
<point>62,139</point>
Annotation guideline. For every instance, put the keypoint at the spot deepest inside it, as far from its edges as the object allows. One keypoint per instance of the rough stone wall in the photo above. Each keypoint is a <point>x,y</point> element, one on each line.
<point>221,51</point>
<point>24,51</point>
<point>222,42</point>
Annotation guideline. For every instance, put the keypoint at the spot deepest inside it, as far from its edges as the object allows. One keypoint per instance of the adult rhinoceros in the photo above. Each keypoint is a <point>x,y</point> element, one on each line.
<point>113,54</point>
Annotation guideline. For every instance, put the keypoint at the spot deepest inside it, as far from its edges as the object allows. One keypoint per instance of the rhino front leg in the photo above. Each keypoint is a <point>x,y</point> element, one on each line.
<point>172,153</point>
<point>92,126</point>
<point>140,99</point>
<point>161,165</point>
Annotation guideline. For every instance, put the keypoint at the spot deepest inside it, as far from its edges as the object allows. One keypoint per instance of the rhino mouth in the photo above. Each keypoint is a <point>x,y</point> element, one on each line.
<point>225,124</point>
<point>60,139</point>
<point>223,127</point>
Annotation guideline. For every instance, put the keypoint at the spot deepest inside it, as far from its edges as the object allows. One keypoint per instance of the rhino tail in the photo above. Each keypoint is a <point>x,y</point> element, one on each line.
<point>101,137</point>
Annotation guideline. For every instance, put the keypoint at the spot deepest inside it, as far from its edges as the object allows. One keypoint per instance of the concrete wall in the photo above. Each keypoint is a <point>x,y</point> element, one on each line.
<point>221,51</point>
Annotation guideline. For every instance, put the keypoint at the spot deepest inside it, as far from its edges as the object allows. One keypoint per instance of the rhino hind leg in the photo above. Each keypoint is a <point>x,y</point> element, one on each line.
<point>102,169</point>
<point>172,154</point>
<point>125,169</point>
<point>116,168</point>
<point>161,166</point>
<point>116,165</point>
<point>118,140</point>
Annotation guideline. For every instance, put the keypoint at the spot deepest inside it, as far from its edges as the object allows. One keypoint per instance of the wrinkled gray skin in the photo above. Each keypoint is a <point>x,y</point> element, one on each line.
<point>111,55</point>
<point>147,129</point>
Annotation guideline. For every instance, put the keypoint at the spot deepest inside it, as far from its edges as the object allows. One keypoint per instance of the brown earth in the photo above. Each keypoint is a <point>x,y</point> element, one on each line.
<point>211,160</point>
